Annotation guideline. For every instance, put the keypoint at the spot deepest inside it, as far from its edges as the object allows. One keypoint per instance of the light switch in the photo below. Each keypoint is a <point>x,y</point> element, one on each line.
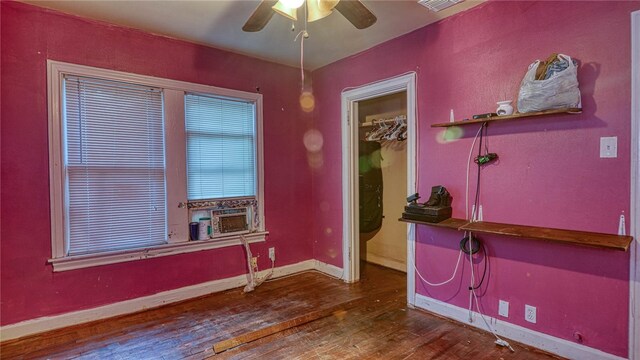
<point>609,147</point>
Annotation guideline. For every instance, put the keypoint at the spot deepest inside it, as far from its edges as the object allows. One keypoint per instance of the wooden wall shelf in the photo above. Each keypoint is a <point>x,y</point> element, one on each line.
<point>584,238</point>
<point>451,223</point>
<point>511,117</point>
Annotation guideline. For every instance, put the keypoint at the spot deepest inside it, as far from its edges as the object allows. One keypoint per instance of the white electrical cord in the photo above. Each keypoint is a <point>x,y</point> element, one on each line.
<point>253,281</point>
<point>472,292</point>
<point>466,214</point>
<point>455,271</point>
<point>466,198</point>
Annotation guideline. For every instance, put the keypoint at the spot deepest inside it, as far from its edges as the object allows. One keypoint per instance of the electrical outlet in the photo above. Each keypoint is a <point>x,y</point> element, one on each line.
<point>530,313</point>
<point>254,263</point>
<point>503,308</point>
<point>272,254</point>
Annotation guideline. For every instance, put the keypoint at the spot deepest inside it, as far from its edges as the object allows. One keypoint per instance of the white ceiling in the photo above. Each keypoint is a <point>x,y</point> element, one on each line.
<point>218,23</point>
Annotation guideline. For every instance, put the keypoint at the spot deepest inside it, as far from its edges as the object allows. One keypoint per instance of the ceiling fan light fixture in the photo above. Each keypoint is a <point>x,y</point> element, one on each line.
<point>290,13</point>
<point>318,9</point>
<point>353,10</point>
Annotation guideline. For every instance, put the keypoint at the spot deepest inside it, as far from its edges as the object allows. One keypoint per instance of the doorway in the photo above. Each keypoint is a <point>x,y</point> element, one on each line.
<point>382,179</point>
<point>350,171</point>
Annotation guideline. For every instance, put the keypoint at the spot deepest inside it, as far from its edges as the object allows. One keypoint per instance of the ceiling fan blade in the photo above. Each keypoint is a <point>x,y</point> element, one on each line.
<point>356,13</point>
<point>260,17</point>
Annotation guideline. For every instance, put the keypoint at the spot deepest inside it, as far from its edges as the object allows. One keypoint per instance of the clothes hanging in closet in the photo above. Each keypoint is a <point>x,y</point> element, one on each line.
<point>370,185</point>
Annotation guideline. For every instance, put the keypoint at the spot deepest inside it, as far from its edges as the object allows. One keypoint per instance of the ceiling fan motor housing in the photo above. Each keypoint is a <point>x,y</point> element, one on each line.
<point>353,10</point>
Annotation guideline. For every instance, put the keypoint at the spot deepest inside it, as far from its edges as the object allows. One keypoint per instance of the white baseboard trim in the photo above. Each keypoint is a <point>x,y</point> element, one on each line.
<point>386,262</point>
<point>34,326</point>
<point>328,269</point>
<point>517,333</point>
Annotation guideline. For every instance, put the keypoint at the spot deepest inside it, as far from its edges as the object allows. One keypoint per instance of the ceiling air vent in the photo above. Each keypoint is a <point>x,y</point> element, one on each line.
<point>438,5</point>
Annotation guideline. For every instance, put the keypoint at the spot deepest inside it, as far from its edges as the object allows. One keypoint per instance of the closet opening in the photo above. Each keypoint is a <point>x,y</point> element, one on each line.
<point>382,180</point>
<point>391,244</point>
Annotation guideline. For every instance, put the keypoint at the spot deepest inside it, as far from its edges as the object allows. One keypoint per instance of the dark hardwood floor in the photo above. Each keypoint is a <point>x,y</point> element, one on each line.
<point>376,324</point>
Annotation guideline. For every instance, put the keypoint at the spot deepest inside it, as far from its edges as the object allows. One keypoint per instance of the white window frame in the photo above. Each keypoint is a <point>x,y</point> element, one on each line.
<point>175,158</point>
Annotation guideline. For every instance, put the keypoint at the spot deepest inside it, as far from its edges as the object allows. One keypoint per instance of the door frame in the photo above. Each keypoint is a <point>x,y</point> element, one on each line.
<point>350,192</point>
<point>634,275</point>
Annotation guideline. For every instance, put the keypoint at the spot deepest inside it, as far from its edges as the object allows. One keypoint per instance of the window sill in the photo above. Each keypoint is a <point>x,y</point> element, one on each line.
<point>84,261</point>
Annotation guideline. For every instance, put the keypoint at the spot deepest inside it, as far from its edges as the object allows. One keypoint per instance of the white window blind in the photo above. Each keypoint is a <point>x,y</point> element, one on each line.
<point>114,164</point>
<point>221,145</point>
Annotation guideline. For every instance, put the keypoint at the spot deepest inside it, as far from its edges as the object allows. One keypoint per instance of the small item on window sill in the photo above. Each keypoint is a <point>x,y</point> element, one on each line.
<point>193,230</point>
<point>204,228</point>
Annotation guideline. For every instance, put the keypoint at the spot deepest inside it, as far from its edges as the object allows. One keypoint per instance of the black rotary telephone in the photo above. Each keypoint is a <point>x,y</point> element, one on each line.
<point>440,197</point>
<point>436,209</point>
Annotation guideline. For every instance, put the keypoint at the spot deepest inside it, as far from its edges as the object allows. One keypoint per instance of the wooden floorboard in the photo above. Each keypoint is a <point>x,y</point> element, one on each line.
<point>376,325</point>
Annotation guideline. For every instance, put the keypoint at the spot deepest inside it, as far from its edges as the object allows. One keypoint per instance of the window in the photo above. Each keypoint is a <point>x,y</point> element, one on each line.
<point>114,165</point>
<point>133,156</point>
<point>220,152</point>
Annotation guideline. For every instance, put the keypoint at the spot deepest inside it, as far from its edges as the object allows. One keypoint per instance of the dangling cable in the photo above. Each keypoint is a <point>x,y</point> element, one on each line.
<point>466,200</point>
<point>455,271</point>
<point>473,297</point>
<point>472,293</point>
<point>253,280</point>
<point>251,283</point>
<point>302,61</point>
<point>484,271</point>
<point>304,35</point>
<point>476,202</point>
<point>486,139</point>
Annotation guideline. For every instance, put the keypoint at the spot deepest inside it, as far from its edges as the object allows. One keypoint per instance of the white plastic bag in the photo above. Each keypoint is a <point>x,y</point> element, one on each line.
<point>558,91</point>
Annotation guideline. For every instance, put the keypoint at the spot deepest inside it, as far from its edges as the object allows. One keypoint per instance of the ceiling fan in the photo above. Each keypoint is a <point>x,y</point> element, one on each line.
<point>352,10</point>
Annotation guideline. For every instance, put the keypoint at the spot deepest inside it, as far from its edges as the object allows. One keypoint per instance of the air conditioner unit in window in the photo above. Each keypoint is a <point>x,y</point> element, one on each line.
<point>231,221</point>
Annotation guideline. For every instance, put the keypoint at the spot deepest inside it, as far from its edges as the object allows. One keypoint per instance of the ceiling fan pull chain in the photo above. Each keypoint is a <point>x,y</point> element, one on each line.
<point>302,59</point>
<point>304,35</point>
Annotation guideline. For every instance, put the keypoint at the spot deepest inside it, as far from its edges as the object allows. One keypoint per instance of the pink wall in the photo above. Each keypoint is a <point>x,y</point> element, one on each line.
<point>466,62</point>
<point>30,36</point>
<point>549,173</point>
